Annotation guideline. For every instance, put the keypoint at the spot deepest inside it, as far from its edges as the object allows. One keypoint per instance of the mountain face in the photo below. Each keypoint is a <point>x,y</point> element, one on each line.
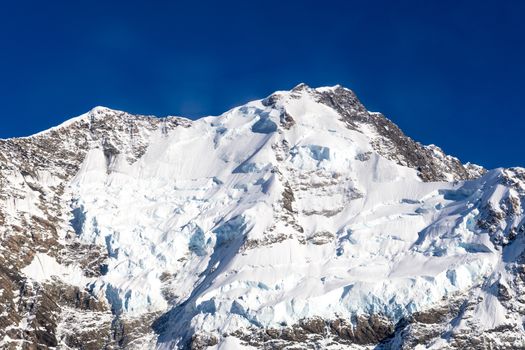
<point>300,221</point>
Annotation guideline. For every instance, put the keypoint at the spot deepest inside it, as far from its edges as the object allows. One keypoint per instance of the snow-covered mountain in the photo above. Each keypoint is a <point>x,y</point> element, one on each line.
<point>300,221</point>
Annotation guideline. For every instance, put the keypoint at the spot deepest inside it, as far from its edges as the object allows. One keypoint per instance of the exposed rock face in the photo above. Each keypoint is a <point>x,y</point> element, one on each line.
<point>316,332</point>
<point>298,221</point>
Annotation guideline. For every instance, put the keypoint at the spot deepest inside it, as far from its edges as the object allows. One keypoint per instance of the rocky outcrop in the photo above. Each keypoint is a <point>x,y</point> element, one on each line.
<point>311,333</point>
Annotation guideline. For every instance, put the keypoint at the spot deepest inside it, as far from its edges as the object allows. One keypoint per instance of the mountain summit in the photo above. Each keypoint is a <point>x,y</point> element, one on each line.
<point>301,220</point>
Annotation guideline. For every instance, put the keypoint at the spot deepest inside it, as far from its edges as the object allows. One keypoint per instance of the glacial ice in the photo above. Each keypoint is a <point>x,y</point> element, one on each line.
<point>264,126</point>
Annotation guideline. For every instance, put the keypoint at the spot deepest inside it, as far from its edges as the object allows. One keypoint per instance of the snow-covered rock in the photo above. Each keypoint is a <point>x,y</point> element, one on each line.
<point>300,219</point>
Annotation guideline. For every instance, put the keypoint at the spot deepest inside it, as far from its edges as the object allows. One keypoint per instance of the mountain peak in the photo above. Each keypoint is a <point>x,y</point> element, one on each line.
<point>334,107</point>
<point>300,87</point>
<point>304,87</point>
<point>321,106</point>
<point>97,112</point>
<point>300,219</point>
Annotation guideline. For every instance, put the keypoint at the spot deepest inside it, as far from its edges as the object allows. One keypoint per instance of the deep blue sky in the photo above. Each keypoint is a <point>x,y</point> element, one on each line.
<point>450,73</point>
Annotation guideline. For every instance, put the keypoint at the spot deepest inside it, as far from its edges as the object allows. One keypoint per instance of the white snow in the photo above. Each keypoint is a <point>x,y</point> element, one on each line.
<point>44,268</point>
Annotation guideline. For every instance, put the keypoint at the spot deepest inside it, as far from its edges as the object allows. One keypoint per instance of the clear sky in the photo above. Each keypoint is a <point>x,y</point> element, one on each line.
<point>450,73</point>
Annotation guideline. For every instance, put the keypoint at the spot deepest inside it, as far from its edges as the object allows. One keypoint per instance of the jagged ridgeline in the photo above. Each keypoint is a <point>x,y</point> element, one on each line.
<point>299,221</point>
